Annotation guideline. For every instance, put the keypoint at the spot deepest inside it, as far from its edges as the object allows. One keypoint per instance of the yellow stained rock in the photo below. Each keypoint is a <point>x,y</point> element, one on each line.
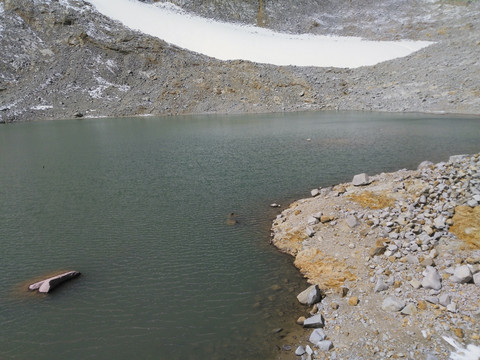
<point>323,270</point>
<point>467,225</point>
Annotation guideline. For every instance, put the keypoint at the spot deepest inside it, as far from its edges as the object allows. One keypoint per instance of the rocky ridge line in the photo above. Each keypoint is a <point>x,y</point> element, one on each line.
<point>396,261</point>
<point>62,59</point>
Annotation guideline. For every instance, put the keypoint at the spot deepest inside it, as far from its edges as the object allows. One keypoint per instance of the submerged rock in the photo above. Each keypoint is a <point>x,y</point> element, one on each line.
<point>47,285</point>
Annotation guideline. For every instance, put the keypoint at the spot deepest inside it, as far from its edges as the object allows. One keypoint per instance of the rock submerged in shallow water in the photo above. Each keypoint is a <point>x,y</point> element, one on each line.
<point>47,285</point>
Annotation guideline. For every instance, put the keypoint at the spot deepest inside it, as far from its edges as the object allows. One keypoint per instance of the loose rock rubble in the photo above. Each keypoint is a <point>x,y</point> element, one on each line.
<point>397,262</point>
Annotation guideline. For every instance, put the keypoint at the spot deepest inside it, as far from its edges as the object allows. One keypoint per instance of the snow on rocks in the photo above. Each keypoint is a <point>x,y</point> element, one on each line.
<point>395,242</point>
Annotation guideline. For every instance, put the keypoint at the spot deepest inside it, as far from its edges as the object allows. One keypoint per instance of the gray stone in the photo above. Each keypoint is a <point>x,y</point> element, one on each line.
<point>309,230</point>
<point>308,349</point>
<point>393,304</point>
<point>462,275</point>
<point>310,296</point>
<point>380,286</point>
<point>452,307</point>
<point>409,309</point>
<point>472,203</point>
<point>315,192</point>
<point>317,335</point>
<point>360,180</point>
<point>415,283</point>
<point>312,220</point>
<point>439,222</point>
<point>445,299</point>
<point>476,278</point>
<point>325,345</point>
<point>432,279</point>
<point>317,215</point>
<point>315,321</point>
<point>47,285</point>
<point>352,221</point>
<point>300,350</point>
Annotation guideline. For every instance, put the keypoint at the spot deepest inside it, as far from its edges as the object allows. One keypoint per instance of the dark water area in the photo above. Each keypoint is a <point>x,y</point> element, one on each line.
<point>140,206</point>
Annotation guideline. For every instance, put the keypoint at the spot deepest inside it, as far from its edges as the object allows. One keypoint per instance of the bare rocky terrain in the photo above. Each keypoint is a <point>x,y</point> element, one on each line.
<point>396,260</point>
<point>61,59</point>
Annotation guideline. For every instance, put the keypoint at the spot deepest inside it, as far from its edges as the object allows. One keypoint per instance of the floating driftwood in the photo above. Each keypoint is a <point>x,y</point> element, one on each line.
<point>47,285</point>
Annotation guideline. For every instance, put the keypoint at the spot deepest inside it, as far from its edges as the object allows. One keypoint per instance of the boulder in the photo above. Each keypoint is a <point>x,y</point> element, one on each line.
<point>360,180</point>
<point>432,279</point>
<point>47,285</point>
<point>315,192</point>
<point>310,296</point>
<point>315,321</point>
<point>462,275</point>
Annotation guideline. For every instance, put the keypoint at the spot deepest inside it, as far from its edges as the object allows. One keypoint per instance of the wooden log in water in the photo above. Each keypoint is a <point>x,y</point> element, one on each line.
<point>47,285</point>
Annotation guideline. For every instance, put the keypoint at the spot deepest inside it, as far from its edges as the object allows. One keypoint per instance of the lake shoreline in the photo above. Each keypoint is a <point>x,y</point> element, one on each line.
<point>385,255</point>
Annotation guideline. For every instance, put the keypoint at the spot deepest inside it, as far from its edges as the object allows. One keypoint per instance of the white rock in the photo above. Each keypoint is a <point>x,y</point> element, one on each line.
<point>393,304</point>
<point>462,275</point>
<point>310,296</point>
<point>315,321</point>
<point>439,222</point>
<point>300,350</point>
<point>360,179</point>
<point>315,192</point>
<point>452,307</point>
<point>317,335</point>
<point>308,349</point>
<point>352,221</point>
<point>317,215</point>
<point>324,345</point>
<point>380,285</point>
<point>476,279</point>
<point>445,300</point>
<point>432,279</point>
<point>312,220</point>
<point>415,283</point>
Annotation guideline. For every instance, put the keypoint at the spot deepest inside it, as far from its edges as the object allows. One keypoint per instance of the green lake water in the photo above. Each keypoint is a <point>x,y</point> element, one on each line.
<point>139,207</point>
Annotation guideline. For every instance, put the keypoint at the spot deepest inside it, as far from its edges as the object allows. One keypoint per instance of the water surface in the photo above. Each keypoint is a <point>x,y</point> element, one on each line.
<point>139,207</point>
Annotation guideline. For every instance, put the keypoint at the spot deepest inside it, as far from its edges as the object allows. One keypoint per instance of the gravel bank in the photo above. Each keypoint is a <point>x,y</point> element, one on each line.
<point>63,59</point>
<point>397,259</point>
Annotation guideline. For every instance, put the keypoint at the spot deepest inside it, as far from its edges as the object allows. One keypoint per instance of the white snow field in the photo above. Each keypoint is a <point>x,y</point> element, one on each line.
<point>227,41</point>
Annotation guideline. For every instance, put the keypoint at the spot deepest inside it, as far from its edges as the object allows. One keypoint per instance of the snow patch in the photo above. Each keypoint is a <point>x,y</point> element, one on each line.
<point>41,107</point>
<point>471,352</point>
<point>227,41</point>
<point>97,93</point>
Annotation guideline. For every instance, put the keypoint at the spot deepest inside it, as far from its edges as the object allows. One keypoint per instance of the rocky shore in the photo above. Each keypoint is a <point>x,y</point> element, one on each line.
<point>394,260</point>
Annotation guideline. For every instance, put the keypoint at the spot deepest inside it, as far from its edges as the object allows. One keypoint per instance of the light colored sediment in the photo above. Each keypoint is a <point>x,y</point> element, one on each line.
<point>406,246</point>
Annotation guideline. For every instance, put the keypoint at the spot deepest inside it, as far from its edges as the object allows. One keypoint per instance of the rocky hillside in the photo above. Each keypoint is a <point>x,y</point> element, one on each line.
<point>61,59</point>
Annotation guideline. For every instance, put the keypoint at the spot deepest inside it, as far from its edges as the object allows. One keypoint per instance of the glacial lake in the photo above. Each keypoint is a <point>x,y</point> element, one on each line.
<point>139,206</point>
